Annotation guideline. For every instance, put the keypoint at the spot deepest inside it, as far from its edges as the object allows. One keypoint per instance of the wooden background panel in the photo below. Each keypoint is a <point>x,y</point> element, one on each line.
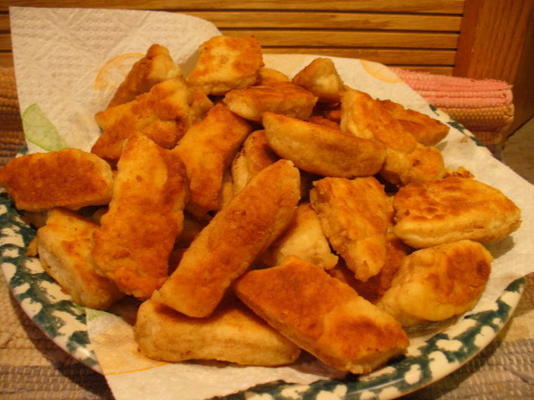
<point>423,40</point>
<point>404,6</point>
<point>4,22</point>
<point>5,42</point>
<point>384,56</point>
<point>346,38</point>
<point>330,20</point>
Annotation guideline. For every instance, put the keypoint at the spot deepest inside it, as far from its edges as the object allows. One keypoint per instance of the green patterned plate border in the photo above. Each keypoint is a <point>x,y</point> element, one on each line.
<point>425,361</point>
<point>39,296</point>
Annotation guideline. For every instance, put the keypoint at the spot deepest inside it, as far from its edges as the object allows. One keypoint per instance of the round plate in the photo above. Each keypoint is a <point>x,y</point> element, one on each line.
<point>426,360</point>
<point>40,297</point>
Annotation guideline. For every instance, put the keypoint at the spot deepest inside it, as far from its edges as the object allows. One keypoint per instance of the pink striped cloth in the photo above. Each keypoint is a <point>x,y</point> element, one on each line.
<point>484,106</point>
<point>450,91</point>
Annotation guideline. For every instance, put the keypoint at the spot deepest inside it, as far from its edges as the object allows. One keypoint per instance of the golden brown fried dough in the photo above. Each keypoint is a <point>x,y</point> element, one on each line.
<point>254,156</point>
<point>64,246</point>
<point>145,216</point>
<point>304,238</point>
<point>321,150</point>
<point>424,129</point>
<point>282,98</point>
<point>322,315</point>
<point>207,149</point>
<point>270,75</point>
<point>228,245</point>
<point>355,215</point>
<point>316,119</point>
<point>155,67</point>
<point>451,209</point>
<point>438,283</point>
<point>406,159</point>
<point>376,286</point>
<point>232,334</point>
<point>322,79</point>
<point>163,114</point>
<point>68,178</point>
<point>423,164</point>
<point>226,63</point>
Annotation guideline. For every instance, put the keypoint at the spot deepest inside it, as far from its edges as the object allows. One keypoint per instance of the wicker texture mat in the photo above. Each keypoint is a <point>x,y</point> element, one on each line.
<point>33,367</point>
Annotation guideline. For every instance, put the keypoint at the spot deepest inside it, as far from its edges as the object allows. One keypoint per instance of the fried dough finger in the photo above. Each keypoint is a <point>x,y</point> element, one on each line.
<point>228,245</point>
<point>452,209</point>
<point>163,114</point>
<point>226,63</point>
<point>207,149</point>
<point>406,160</point>
<point>233,334</point>
<point>155,67</point>
<point>64,246</point>
<point>282,98</point>
<point>322,79</point>
<point>322,315</point>
<point>321,150</point>
<point>427,131</point>
<point>270,75</point>
<point>145,216</point>
<point>375,287</point>
<point>254,156</point>
<point>355,215</point>
<point>437,283</point>
<point>304,238</point>
<point>68,178</point>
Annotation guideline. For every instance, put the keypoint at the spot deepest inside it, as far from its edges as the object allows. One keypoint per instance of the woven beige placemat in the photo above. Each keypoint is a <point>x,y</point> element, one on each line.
<point>33,367</point>
<point>11,137</point>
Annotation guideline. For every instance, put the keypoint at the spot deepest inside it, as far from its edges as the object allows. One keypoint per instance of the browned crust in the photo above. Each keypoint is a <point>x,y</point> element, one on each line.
<point>68,178</point>
<point>322,315</point>
<point>228,245</point>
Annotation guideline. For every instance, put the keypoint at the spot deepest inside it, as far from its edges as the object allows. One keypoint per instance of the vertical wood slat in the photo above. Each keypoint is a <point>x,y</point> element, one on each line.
<point>493,34</point>
<point>496,41</point>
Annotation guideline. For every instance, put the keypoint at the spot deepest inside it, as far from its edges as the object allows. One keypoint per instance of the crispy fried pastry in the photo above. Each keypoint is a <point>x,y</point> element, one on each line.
<point>438,283</point>
<point>322,315</point>
<point>423,164</point>
<point>451,209</point>
<point>316,119</point>
<point>232,240</point>
<point>64,246</point>
<point>206,150</point>
<point>282,98</point>
<point>424,129</point>
<point>355,215</point>
<point>321,150</point>
<point>68,178</point>
<point>377,285</point>
<point>155,67</point>
<point>304,238</point>
<point>270,75</point>
<point>232,333</point>
<point>163,114</point>
<point>406,159</point>
<point>226,63</point>
<point>254,156</point>
<point>322,79</point>
<point>145,216</point>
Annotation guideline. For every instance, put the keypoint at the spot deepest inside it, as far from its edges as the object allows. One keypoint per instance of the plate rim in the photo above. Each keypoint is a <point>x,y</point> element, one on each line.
<point>85,354</point>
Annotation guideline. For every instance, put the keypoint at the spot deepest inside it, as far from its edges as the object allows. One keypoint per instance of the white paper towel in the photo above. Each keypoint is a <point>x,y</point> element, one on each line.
<point>68,62</point>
